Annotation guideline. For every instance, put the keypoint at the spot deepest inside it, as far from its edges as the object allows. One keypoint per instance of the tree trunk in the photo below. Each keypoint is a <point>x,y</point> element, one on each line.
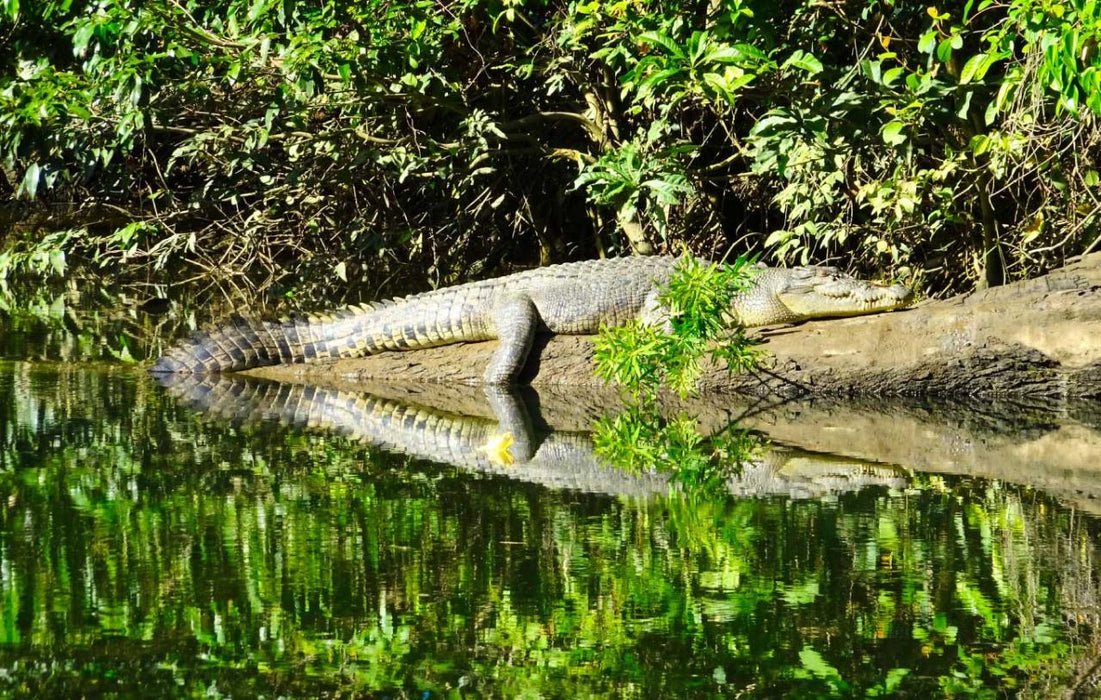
<point>993,261</point>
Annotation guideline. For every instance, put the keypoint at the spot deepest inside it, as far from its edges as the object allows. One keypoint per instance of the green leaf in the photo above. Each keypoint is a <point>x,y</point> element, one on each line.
<point>258,8</point>
<point>81,38</point>
<point>971,67</point>
<point>1091,178</point>
<point>989,59</point>
<point>804,61</point>
<point>655,80</point>
<point>750,51</point>
<point>30,180</point>
<point>727,87</point>
<point>978,65</point>
<point>135,91</point>
<point>663,41</point>
<point>740,81</point>
<point>966,105</point>
<point>1009,84</point>
<point>726,55</point>
<point>980,144</point>
<point>944,50</point>
<point>667,191</point>
<point>928,41</point>
<point>697,46</point>
<point>991,112</point>
<point>874,71</point>
<point>892,133</point>
<point>776,237</point>
<point>771,121</point>
<point>717,83</point>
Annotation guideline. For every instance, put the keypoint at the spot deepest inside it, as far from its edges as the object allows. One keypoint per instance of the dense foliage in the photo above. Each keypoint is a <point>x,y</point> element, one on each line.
<point>350,141</point>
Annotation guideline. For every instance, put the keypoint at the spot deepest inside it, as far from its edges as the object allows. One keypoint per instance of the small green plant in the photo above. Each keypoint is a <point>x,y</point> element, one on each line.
<point>644,359</point>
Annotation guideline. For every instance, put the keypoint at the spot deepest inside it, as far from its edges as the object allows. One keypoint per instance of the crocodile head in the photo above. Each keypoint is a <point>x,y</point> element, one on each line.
<point>796,294</point>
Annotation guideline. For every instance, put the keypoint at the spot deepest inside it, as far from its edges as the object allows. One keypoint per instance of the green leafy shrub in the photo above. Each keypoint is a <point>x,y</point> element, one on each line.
<point>644,359</point>
<point>347,144</point>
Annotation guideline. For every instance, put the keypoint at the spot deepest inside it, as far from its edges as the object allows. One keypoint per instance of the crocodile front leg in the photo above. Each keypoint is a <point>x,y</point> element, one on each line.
<point>515,319</point>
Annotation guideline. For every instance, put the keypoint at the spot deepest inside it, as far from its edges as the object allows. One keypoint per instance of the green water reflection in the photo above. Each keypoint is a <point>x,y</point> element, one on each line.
<point>146,549</point>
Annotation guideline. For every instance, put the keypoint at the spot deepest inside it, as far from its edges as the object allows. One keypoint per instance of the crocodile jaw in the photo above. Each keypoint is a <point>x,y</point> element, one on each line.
<point>823,292</point>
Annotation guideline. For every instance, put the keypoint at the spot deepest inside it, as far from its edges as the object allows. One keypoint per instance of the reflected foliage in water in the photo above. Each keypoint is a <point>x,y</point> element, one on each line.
<point>148,549</point>
<point>82,320</point>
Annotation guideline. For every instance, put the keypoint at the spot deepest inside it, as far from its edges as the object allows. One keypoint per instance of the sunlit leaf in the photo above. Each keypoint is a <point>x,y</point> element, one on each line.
<point>893,133</point>
<point>928,41</point>
<point>29,186</point>
<point>804,61</point>
<point>663,41</point>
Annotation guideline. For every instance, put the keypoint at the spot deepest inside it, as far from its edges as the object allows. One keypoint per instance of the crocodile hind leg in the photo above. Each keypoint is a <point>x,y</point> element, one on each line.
<point>515,319</point>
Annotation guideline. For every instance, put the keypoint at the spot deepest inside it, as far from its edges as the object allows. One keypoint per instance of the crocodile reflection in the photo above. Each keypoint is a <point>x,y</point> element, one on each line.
<point>505,445</point>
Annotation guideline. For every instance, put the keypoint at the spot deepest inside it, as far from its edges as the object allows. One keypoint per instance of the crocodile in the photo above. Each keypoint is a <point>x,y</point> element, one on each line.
<point>571,298</point>
<point>506,445</point>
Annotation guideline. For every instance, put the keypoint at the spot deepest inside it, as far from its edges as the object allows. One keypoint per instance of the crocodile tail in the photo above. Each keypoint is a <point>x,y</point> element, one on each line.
<point>240,343</point>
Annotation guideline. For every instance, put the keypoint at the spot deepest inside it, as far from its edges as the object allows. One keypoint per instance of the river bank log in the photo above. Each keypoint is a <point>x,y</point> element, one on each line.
<point>1035,338</point>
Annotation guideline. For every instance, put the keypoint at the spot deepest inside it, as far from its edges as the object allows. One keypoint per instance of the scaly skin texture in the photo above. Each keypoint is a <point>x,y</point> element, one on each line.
<point>574,298</point>
<point>559,460</point>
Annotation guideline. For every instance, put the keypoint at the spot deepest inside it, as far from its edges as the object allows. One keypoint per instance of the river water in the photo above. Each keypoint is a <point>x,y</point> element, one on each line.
<point>233,538</point>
